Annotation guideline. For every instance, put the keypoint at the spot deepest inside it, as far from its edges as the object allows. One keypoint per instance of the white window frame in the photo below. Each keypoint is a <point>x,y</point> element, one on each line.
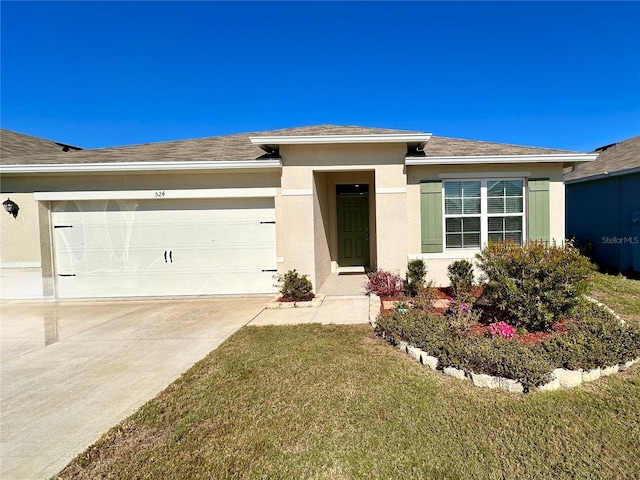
<point>484,215</point>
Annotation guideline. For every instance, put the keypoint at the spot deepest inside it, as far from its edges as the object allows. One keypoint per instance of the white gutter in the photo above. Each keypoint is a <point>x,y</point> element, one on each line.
<point>141,166</point>
<point>325,139</point>
<point>492,159</point>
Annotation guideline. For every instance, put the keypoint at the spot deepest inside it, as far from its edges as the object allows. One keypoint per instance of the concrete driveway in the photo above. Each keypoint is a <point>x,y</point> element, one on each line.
<point>70,371</point>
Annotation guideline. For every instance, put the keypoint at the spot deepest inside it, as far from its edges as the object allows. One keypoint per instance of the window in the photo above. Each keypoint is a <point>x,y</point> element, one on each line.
<point>479,211</point>
<point>504,210</point>
<point>462,208</point>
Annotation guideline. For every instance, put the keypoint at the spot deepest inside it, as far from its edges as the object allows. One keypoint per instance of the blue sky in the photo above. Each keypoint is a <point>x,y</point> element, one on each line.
<point>96,74</point>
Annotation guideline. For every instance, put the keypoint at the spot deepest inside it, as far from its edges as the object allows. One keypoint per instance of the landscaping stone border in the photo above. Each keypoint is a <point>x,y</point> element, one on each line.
<point>374,308</point>
<point>560,377</point>
<point>315,302</point>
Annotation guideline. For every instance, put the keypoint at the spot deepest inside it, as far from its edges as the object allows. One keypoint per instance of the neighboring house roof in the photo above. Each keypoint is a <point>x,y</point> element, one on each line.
<point>14,145</point>
<point>239,147</point>
<point>616,159</point>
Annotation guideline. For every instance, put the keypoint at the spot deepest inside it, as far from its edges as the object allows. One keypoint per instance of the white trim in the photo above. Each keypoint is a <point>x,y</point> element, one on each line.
<point>141,166</point>
<point>296,192</point>
<point>384,190</point>
<point>482,159</point>
<point>474,175</point>
<point>484,212</point>
<point>20,265</point>
<point>326,139</point>
<point>158,195</point>
<point>466,253</point>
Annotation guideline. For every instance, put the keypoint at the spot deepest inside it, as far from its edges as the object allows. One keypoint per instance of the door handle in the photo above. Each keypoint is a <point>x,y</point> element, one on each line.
<point>171,256</point>
<point>165,256</point>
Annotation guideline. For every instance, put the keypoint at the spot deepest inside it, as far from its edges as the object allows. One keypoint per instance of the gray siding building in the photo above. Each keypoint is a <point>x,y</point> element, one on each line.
<point>603,206</point>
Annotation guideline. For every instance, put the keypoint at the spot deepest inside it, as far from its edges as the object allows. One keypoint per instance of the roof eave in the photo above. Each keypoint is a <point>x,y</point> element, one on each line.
<point>603,175</point>
<point>566,159</point>
<point>141,166</point>
<point>272,142</point>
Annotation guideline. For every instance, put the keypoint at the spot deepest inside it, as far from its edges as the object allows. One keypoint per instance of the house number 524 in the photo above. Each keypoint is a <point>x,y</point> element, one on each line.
<point>160,194</point>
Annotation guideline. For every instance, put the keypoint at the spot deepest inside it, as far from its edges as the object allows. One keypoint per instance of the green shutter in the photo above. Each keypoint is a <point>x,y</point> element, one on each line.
<point>539,224</point>
<point>431,216</point>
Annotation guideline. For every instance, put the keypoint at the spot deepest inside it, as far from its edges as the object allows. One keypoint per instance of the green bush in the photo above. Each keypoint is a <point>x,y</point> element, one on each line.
<point>460,275</point>
<point>426,297</point>
<point>508,359</point>
<point>595,339</point>
<point>462,315</point>
<point>416,271</point>
<point>295,287</point>
<point>496,357</point>
<point>534,284</point>
<point>396,326</point>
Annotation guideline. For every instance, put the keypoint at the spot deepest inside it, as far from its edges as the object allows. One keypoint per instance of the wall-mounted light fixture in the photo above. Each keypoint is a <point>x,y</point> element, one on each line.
<point>11,207</point>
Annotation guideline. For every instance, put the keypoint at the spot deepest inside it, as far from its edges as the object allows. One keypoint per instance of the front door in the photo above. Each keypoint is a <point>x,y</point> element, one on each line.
<point>353,230</point>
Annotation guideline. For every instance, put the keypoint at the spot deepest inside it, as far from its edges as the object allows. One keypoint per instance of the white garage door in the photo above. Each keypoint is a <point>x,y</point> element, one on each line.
<point>166,247</point>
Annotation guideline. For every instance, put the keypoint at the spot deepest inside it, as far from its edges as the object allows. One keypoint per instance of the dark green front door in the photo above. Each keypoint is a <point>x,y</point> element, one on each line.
<point>353,230</point>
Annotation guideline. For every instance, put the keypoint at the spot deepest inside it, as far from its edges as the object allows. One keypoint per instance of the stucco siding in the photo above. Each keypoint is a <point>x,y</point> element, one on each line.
<point>379,166</point>
<point>20,236</point>
<point>437,262</point>
<point>321,224</point>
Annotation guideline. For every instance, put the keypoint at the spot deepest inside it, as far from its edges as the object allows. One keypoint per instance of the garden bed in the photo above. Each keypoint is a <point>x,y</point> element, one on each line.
<point>529,326</point>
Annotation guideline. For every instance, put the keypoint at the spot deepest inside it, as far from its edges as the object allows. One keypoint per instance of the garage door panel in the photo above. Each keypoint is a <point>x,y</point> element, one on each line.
<point>111,248</point>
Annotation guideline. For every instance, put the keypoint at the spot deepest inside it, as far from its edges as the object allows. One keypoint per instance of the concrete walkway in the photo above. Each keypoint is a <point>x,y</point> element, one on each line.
<point>70,371</point>
<point>344,310</point>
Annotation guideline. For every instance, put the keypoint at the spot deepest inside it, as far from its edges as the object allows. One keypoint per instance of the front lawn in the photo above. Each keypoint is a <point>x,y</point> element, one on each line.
<point>339,403</point>
<point>620,293</point>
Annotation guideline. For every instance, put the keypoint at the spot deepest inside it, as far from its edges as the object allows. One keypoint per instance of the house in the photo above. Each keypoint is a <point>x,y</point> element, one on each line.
<point>223,215</point>
<point>603,206</point>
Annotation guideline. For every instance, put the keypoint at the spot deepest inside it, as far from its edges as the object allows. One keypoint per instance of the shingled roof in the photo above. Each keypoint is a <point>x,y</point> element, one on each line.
<point>612,159</point>
<point>239,147</point>
<point>14,145</point>
<point>455,147</point>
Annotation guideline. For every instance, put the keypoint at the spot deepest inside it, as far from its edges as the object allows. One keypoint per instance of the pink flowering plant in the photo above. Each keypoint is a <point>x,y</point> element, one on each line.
<point>384,284</point>
<point>502,330</point>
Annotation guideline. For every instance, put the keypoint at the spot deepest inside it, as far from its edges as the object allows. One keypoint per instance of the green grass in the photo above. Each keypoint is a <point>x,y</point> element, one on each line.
<point>620,293</point>
<point>337,402</point>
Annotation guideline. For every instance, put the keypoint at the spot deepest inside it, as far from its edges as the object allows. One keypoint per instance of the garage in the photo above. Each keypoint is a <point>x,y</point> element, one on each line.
<point>124,248</point>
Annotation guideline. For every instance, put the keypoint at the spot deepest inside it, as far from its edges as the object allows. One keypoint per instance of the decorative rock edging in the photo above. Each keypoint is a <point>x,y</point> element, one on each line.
<point>374,308</point>
<point>560,377</point>
<point>608,309</point>
<point>315,302</point>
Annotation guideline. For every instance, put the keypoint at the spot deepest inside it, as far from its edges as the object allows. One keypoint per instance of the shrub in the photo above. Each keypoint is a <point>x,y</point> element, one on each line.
<point>295,287</point>
<point>460,275</point>
<point>416,271</point>
<point>534,284</point>
<point>395,326</point>
<point>502,358</point>
<point>462,315</point>
<point>425,297</point>
<point>384,284</point>
<point>435,335</point>
<point>595,338</point>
